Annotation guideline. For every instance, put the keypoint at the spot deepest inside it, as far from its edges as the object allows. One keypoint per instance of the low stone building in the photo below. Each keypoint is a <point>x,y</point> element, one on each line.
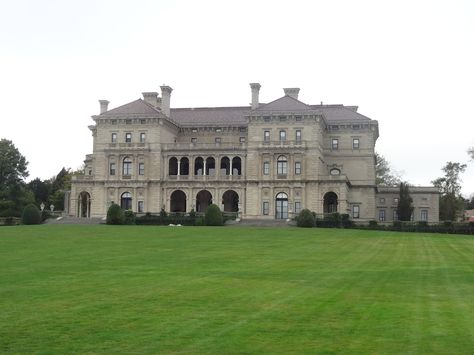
<point>264,160</point>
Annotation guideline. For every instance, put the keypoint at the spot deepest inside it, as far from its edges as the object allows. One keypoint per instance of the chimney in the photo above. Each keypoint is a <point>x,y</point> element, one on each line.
<point>151,98</point>
<point>165,99</point>
<point>255,91</point>
<point>292,92</point>
<point>104,104</point>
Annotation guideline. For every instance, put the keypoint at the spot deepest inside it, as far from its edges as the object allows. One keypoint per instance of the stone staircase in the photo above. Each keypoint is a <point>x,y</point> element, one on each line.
<point>278,223</point>
<point>74,220</point>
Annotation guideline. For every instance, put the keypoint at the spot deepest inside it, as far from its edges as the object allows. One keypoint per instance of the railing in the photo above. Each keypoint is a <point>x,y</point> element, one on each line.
<point>205,177</point>
<point>203,146</point>
<point>139,146</point>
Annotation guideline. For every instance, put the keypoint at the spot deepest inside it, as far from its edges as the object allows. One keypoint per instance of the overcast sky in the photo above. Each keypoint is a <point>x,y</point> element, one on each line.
<point>407,64</point>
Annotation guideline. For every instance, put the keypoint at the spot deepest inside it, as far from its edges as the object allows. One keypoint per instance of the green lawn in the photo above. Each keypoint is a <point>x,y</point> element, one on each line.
<point>107,289</point>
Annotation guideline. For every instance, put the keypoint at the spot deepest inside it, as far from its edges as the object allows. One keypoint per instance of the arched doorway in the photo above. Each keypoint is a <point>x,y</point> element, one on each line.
<point>173,166</point>
<point>281,206</point>
<point>225,166</point>
<point>330,202</point>
<point>203,199</point>
<point>230,200</point>
<point>126,201</point>
<point>236,166</point>
<point>84,205</point>
<point>178,201</point>
<point>199,166</point>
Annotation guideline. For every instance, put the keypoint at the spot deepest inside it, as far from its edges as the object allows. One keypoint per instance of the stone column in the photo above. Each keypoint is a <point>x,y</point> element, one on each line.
<point>230,159</point>
<point>179,166</point>
<point>204,167</point>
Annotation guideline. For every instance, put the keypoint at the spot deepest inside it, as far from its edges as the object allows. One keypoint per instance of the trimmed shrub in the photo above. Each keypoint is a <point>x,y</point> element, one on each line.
<point>115,215</point>
<point>31,215</point>
<point>163,213</point>
<point>213,216</point>
<point>373,224</point>
<point>305,219</point>
<point>129,217</point>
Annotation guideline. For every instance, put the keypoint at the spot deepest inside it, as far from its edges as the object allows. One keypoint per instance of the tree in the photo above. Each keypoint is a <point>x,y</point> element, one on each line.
<point>383,172</point>
<point>451,202</point>
<point>213,216</point>
<point>13,169</point>
<point>404,207</point>
<point>41,190</point>
<point>470,151</point>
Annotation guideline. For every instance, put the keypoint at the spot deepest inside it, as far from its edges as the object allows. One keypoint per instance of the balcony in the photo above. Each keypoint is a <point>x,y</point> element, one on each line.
<point>282,144</point>
<point>205,177</point>
<point>127,146</point>
<point>203,146</point>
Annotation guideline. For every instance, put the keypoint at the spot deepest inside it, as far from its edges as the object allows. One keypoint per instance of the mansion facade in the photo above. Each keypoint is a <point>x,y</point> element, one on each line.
<point>265,161</point>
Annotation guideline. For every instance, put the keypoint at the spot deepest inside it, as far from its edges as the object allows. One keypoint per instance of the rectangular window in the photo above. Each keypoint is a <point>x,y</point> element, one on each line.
<point>112,169</point>
<point>194,140</point>
<point>395,201</point>
<point>242,139</point>
<point>355,143</point>
<point>382,200</point>
<point>382,215</point>
<point>242,129</point>
<point>282,136</point>
<point>266,136</point>
<point>267,118</point>
<point>282,118</point>
<point>298,168</point>
<point>355,211</point>
<point>140,206</point>
<point>266,168</point>
<point>142,137</point>
<point>266,208</point>
<point>424,215</point>
<point>298,135</point>
<point>128,137</point>
<point>297,207</point>
<point>142,121</point>
<point>218,139</point>
<point>127,167</point>
<point>128,121</point>
<point>114,138</point>
<point>218,129</point>
<point>298,118</point>
<point>395,215</point>
<point>141,168</point>
<point>335,144</point>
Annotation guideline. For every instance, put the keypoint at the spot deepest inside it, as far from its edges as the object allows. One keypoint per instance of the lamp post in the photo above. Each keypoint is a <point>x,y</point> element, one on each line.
<point>42,206</point>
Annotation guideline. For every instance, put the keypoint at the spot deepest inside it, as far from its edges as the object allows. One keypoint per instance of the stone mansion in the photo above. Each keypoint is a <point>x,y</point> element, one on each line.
<point>266,160</point>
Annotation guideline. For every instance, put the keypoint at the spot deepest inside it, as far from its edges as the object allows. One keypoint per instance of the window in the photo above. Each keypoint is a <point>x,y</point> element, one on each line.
<point>382,215</point>
<point>355,126</point>
<point>242,129</point>
<point>395,215</point>
<point>298,168</point>
<point>266,208</point>
<point>298,118</point>
<point>382,200</point>
<point>297,207</point>
<point>142,121</point>
<point>266,136</point>
<point>267,118</point>
<point>112,169</point>
<point>128,137</point>
<point>298,135</point>
<point>282,118</point>
<point>114,121</point>
<point>282,135</point>
<point>140,206</point>
<point>194,140</point>
<point>127,166</point>
<point>395,200</point>
<point>114,138</point>
<point>141,168</point>
<point>335,144</point>
<point>355,211</point>
<point>335,172</point>
<point>218,129</point>
<point>128,121</point>
<point>355,143</point>
<point>242,139</point>
<point>266,168</point>
<point>424,215</point>
<point>142,137</point>
<point>282,165</point>
<point>218,139</point>
<point>194,130</point>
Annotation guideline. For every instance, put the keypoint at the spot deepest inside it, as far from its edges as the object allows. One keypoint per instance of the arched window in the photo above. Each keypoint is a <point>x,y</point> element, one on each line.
<point>173,166</point>
<point>126,201</point>
<point>282,165</point>
<point>236,166</point>
<point>127,166</point>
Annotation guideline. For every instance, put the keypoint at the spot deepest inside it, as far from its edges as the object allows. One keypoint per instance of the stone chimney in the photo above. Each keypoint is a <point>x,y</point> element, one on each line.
<point>165,99</point>
<point>255,91</point>
<point>104,104</point>
<point>151,98</point>
<point>292,92</point>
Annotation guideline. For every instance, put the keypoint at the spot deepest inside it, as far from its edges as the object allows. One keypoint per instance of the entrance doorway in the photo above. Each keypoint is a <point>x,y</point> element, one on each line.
<point>281,206</point>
